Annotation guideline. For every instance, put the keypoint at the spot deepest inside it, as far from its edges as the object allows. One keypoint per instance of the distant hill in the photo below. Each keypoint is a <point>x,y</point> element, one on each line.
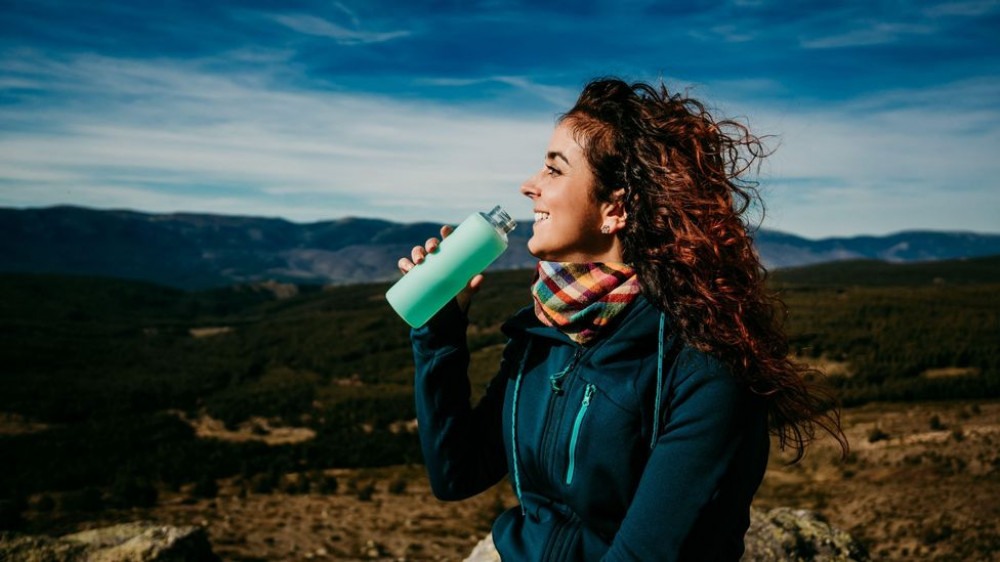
<point>780,250</point>
<point>874,273</point>
<point>196,251</point>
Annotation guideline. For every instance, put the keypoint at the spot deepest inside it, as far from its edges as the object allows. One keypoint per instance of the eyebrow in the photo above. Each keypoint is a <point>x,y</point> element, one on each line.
<point>553,154</point>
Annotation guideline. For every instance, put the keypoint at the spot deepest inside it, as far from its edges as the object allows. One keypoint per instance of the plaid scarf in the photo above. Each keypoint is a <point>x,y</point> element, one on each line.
<point>581,298</point>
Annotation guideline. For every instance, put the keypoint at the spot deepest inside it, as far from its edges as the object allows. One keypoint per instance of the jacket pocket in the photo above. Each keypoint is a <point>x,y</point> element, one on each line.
<point>575,436</point>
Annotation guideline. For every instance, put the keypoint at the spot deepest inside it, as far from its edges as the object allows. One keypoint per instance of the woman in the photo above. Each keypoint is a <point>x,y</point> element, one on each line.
<point>633,403</point>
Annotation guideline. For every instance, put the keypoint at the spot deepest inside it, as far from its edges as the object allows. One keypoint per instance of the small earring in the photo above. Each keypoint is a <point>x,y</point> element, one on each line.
<point>606,229</point>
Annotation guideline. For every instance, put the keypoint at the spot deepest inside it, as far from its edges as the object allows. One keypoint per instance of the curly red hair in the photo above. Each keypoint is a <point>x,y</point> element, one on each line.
<point>680,175</point>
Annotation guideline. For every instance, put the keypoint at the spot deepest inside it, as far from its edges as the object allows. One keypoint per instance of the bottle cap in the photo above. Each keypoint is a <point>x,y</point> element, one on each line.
<point>501,219</point>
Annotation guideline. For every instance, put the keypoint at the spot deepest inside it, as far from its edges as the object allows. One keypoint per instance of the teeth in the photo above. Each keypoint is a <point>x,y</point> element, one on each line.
<point>541,216</point>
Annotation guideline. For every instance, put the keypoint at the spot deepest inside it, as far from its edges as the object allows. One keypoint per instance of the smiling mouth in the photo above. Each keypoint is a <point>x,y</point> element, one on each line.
<point>541,216</point>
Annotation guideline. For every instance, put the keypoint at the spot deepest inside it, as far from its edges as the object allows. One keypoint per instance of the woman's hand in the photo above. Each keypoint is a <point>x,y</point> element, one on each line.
<point>419,253</point>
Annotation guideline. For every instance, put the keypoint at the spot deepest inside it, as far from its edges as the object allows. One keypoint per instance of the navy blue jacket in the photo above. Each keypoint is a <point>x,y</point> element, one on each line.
<point>606,465</point>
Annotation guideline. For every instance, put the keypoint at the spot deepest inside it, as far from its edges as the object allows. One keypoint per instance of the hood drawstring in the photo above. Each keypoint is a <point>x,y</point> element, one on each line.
<point>513,426</point>
<point>659,384</point>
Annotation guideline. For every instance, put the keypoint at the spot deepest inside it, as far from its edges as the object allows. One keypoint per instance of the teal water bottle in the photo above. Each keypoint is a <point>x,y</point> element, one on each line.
<point>466,252</point>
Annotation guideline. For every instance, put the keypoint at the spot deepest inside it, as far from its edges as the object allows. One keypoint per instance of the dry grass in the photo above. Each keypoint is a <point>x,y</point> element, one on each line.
<point>925,491</point>
<point>210,331</point>
<point>825,365</point>
<point>951,372</point>
<point>254,429</point>
<point>16,424</point>
<point>376,514</point>
<point>920,490</point>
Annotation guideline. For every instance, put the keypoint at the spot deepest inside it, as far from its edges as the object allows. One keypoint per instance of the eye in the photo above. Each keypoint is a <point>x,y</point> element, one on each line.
<point>552,171</point>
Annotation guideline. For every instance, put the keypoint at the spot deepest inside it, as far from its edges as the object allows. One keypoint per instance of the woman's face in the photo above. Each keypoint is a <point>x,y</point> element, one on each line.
<point>568,219</point>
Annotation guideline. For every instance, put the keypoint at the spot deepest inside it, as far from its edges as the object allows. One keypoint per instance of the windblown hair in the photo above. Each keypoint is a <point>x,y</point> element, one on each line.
<point>681,176</point>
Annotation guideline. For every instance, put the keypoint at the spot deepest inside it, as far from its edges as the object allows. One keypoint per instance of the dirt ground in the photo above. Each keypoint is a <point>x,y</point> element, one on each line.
<point>922,482</point>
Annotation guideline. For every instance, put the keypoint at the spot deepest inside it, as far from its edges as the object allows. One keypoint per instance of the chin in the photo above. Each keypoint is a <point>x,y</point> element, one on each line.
<point>536,249</point>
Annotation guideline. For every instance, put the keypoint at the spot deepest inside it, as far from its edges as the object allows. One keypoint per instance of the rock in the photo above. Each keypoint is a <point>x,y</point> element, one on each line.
<point>485,551</point>
<point>374,550</point>
<point>39,549</point>
<point>792,535</point>
<point>128,542</point>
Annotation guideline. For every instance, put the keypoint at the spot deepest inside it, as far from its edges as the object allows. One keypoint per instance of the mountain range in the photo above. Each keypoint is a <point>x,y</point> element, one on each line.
<point>198,251</point>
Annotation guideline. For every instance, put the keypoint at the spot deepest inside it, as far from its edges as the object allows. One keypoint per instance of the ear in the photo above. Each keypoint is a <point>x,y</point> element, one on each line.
<point>613,215</point>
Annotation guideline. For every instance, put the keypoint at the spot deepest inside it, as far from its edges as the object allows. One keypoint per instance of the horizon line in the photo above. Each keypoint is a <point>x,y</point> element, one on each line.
<point>382,219</point>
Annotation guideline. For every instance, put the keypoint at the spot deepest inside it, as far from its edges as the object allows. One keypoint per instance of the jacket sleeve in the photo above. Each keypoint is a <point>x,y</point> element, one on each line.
<point>711,416</point>
<point>462,446</point>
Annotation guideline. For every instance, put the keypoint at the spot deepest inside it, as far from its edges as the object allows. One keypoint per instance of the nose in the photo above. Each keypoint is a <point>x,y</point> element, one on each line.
<point>530,187</point>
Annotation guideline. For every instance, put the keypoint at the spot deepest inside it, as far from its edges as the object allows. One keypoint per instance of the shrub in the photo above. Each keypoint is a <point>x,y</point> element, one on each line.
<point>264,482</point>
<point>129,490</point>
<point>87,499</point>
<point>10,512</point>
<point>205,487</point>
<point>323,483</point>
<point>398,486</point>
<point>44,504</point>
<point>937,534</point>
<point>294,485</point>
<point>876,434</point>
<point>366,492</point>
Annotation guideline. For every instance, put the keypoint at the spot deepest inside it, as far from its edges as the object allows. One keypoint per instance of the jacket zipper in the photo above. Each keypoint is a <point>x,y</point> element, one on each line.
<point>555,409</point>
<point>575,436</point>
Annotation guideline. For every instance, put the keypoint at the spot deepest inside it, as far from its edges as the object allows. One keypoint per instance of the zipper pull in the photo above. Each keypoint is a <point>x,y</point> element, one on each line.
<point>588,395</point>
<point>555,379</point>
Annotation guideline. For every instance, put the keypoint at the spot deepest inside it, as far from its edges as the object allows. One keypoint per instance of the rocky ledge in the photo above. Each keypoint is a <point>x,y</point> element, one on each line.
<point>779,535</point>
<point>784,534</point>
<point>128,542</point>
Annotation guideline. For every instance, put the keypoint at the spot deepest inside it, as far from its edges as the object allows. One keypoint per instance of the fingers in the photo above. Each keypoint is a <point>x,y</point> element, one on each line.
<point>419,253</point>
<point>476,282</point>
<point>431,244</point>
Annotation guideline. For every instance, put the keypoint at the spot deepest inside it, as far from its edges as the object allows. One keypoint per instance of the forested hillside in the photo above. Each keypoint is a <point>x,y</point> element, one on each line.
<point>108,368</point>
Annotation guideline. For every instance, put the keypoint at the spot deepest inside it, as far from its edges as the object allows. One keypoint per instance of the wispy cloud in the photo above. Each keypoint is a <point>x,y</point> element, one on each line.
<point>871,33</point>
<point>730,33</point>
<point>971,9</point>
<point>394,159</point>
<point>888,112</point>
<point>312,25</point>
<point>893,159</point>
<point>559,96</point>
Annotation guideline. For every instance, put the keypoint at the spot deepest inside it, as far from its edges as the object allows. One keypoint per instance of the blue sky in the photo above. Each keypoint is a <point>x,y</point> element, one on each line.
<point>885,114</point>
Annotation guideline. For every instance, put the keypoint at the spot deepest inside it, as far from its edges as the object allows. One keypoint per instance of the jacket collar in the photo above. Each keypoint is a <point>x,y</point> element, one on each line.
<point>639,321</point>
